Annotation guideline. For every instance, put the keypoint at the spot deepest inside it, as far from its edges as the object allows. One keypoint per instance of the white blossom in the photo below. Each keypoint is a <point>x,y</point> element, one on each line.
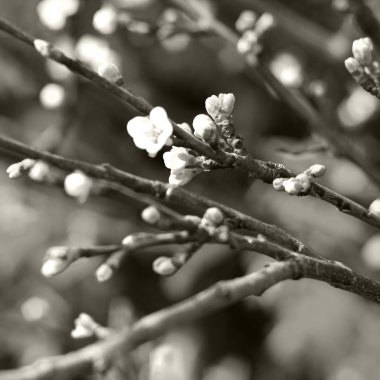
<point>40,171</point>
<point>84,327</point>
<point>246,20</point>
<point>362,50</point>
<point>151,133</point>
<point>220,107</point>
<point>204,128</point>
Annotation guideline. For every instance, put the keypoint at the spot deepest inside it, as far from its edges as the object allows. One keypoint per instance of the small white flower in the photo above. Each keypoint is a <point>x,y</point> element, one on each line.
<point>278,184</point>
<point>164,266</point>
<point>151,133</point>
<point>17,169</point>
<point>43,47</point>
<point>78,185</point>
<point>52,96</point>
<point>105,20</point>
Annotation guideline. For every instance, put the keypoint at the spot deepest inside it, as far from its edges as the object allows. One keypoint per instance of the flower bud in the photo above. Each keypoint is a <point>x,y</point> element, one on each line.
<point>109,71</point>
<point>39,172</point>
<point>353,65</point>
<point>246,20</point>
<point>222,234</point>
<point>43,47</point>
<point>52,96</point>
<point>374,207</point>
<point>151,215</point>
<point>214,216</point>
<point>316,170</point>
<point>84,327</point>
<point>204,128</point>
<point>78,185</point>
<point>163,266</point>
<point>362,50</point>
<point>17,169</point>
<point>129,240</point>
<point>292,186</point>
<point>278,184</point>
<point>186,127</point>
<point>104,273</point>
<point>56,260</point>
<point>264,23</point>
<point>304,180</point>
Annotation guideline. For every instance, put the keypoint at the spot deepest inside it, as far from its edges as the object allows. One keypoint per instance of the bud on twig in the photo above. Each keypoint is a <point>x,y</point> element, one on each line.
<point>213,216</point>
<point>374,207</point>
<point>151,215</point>
<point>17,169</point>
<point>163,266</point>
<point>204,128</point>
<point>78,185</point>
<point>362,50</point>
<point>109,71</point>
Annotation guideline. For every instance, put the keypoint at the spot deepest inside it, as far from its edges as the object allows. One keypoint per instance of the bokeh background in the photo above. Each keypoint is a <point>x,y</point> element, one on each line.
<point>297,330</point>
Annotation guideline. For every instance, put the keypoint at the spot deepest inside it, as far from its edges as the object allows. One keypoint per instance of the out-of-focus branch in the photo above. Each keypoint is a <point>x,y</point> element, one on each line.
<point>218,296</point>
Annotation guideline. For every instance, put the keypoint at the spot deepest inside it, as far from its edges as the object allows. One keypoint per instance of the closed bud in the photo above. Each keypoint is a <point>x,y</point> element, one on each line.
<point>204,128</point>
<point>316,170</point>
<point>222,234</point>
<point>129,240</point>
<point>352,65</point>
<point>84,327</point>
<point>278,184</point>
<point>292,186</point>
<point>374,207</point>
<point>362,50</point>
<point>19,168</point>
<point>304,180</point>
<point>164,266</point>
<point>214,216</point>
<point>78,185</point>
<point>43,47</point>
<point>109,71</point>
<point>246,20</point>
<point>56,260</point>
<point>186,127</point>
<point>39,172</point>
<point>150,215</point>
<point>264,23</point>
<point>104,273</point>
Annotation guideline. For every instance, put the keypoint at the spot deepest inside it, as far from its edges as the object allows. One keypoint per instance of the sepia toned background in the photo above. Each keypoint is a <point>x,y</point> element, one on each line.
<point>297,330</point>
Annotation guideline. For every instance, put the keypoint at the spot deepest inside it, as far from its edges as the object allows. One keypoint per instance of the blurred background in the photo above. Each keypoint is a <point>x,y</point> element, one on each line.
<point>297,330</point>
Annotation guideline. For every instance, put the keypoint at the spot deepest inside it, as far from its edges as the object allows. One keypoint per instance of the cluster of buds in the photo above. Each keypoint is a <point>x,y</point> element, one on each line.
<point>57,259</point>
<point>300,184</point>
<point>38,171</point>
<point>252,29</point>
<point>363,68</point>
<point>78,185</point>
